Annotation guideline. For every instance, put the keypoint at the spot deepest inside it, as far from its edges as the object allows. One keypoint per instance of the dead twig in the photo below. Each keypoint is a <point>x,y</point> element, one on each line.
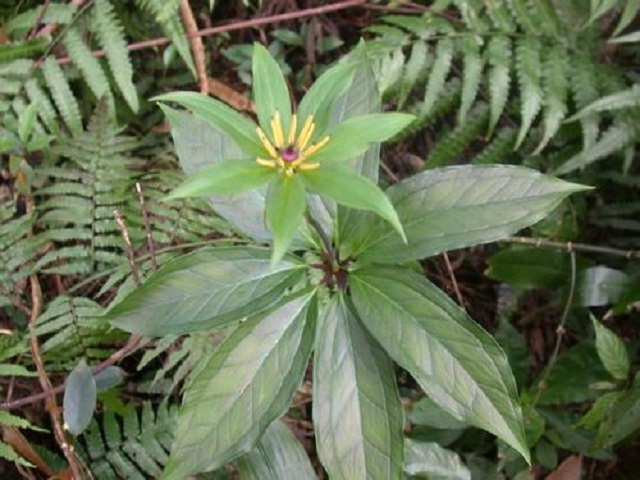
<point>197,47</point>
<point>131,257</point>
<point>147,228</point>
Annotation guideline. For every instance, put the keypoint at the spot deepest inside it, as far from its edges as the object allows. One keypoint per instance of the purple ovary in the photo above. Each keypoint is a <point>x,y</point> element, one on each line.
<point>290,154</point>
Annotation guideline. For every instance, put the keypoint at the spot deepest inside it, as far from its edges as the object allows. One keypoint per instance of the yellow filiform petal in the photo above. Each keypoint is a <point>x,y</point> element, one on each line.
<point>276,129</point>
<point>292,129</point>
<point>266,163</point>
<point>316,146</point>
<point>305,134</point>
<point>266,143</point>
<point>308,166</point>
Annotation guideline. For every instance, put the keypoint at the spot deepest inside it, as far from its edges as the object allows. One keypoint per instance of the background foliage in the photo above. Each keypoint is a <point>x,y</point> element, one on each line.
<point>548,84</point>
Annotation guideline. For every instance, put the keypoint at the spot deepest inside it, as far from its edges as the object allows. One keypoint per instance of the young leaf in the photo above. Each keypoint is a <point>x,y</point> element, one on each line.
<point>222,117</point>
<point>203,290</point>
<point>354,380</point>
<point>285,206</point>
<point>277,455</point>
<point>244,386</point>
<point>452,358</point>
<point>352,190</point>
<point>611,350</point>
<point>456,207</point>
<point>270,91</point>
<point>226,177</point>
<point>79,401</point>
<point>353,136</point>
<point>430,460</point>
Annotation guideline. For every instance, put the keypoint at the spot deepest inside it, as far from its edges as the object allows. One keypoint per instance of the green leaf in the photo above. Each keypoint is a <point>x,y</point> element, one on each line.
<point>598,411</point>
<point>354,380</point>
<point>529,70</point>
<point>629,38</point>
<point>226,177</point>
<point>455,207</point>
<point>220,116</point>
<point>246,384</point>
<point>324,92</point>
<point>8,369</point>
<point>111,36</point>
<point>109,378</point>
<point>79,401</point>
<point>630,11</point>
<point>438,75</point>
<point>285,206</point>
<point>428,413</point>
<point>516,349</point>
<point>556,87</point>
<point>270,91</point>
<point>206,289</point>
<point>611,350</point>
<point>27,122</point>
<point>623,418</point>
<point>472,75</point>
<point>499,57</point>
<point>599,286</point>
<point>355,135</point>
<point>452,358</point>
<point>413,69</point>
<point>530,267</point>
<point>352,190</point>
<point>629,98</point>
<point>434,462</point>
<point>277,455</point>
<point>200,145</point>
<point>62,94</point>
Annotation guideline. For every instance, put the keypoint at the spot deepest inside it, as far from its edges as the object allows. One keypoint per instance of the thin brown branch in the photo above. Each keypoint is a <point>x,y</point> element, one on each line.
<point>49,28</point>
<point>131,256</point>
<point>51,402</point>
<point>574,247</point>
<point>147,227</point>
<point>39,18</point>
<point>254,22</point>
<point>197,47</point>
<point>454,282</point>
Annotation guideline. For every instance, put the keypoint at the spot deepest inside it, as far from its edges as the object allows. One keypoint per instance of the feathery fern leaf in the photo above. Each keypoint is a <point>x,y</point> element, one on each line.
<point>25,49</point>
<point>499,58</point>
<point>529,73</point>
<point>630,11</point>
<point>111,37</point>
<point>59,13</point>
<point>61,93</point>
<point>472,75</point>
<point>439,72</point>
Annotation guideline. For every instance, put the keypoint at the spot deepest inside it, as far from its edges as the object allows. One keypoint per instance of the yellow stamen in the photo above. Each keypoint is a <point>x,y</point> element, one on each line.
<point>276,128</point>
<point>266,163</point>
<point>305,134</point>
<point>266,143</point>
<point>316,146</point>
<point>308,166</point>
<point>292,129</point>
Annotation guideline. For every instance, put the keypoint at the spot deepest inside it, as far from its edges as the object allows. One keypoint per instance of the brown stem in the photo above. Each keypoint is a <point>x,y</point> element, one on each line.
<point>197,48</point>
<point>454,282</point>
<point>147,227</point>
<point>51,402</point>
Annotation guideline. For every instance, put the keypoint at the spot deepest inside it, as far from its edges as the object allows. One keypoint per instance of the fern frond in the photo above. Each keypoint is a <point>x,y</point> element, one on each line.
<point>89,65</point>
<point>110,34</point>
<point>456,142</point>
<point>439,73</point>
<point>62,96</point>
<point>59,13</point>
<point>529,73</point>
<point>137,451</point>
<point>499,149</point>
<point>167,16</point>
<point>556,86</point>
<point>499,58</point>
<point>472,74</point>
<point>500,15</point>
<point>413,69</point>
<point>585,91</point>
<point>20,50</point>
<point>631,9</point>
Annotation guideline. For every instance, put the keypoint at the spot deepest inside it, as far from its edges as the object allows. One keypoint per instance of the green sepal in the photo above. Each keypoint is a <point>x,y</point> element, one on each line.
<point>351,190</point>
<point>226,177</point>
<point>222,117</point>
<point>355,135</point>
<point>270,91</point>
<point>285,206</point>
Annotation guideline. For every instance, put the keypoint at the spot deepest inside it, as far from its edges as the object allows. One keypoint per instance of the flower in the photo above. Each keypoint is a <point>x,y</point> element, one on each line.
<point>290,155</point>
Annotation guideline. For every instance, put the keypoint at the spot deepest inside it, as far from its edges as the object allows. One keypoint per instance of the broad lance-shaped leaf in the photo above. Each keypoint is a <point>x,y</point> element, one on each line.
<point>277,455</point>
<point>285,207</point>
<point>349,189</point>
<point>246,384</point>
<point>357,412</point>
<point>456,207</point>
<point>199,145</point>
<point>224,178</point>
<point>206,289</point>
<point>458,364</point>
<point>430,460</point>
<point>270,90</point>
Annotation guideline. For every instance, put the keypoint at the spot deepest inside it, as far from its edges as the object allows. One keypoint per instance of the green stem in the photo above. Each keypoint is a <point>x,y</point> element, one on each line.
<point>325,239</point>
<point>574,247</point>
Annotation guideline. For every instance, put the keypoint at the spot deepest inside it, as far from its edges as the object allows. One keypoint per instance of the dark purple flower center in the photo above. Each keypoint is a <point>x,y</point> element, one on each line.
<point>290,154</point>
